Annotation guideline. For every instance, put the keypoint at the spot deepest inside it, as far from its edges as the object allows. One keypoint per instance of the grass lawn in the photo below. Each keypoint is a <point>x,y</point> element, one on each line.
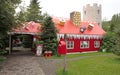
<point>78,55</point>
<point>108,64</point>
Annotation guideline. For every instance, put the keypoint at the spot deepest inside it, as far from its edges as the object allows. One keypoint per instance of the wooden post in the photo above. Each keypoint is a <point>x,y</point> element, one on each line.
<point>65,62</point>
<point>10,44</point>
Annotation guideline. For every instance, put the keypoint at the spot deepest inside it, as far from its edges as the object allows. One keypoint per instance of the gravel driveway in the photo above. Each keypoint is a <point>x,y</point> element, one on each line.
<point>28,64</point>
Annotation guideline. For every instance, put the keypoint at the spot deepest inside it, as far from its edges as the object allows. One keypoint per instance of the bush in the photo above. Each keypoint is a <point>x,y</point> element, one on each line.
<point>2,48</point>
<point>109,42</point>
<point>2,52</point>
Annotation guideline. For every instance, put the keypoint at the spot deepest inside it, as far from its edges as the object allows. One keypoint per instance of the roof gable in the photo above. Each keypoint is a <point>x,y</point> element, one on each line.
<point>70,28</point>
<point>67,27</point>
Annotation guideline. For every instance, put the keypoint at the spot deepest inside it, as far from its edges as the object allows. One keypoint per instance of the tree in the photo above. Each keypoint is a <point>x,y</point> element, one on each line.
<point>7,11</point>
<point>114,27</point>
<point>7,19</point>
<point>111,41</point>
<point>21,15</point>
<point>49,35</point>
<point>106,25</point>
<point>33,11</point>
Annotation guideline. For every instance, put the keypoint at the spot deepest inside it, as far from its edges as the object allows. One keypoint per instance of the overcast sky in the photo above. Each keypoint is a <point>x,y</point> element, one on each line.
<point>62,8</point>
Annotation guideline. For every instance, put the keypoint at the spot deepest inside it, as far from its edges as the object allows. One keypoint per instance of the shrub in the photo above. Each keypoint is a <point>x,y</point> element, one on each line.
<point>109,42</point>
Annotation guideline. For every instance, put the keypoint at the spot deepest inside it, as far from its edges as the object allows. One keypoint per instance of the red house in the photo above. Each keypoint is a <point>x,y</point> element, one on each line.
<point>79,36</point>
<point>75,35</point>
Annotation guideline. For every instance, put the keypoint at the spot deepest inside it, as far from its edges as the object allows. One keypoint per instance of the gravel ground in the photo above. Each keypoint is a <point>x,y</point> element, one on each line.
<point>28,64</point>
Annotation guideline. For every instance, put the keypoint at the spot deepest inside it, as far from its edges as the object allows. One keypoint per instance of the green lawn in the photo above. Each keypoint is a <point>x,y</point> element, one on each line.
<point>79,55</point>
<point>108,64</point>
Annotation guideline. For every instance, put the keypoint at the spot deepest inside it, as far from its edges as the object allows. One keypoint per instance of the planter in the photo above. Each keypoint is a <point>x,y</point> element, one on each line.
<point>48,54</point>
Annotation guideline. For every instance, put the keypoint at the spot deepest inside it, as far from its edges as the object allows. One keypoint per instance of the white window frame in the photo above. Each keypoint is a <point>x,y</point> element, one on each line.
<point>70,44</point>
<point>84,44</point>
<point>96,44</point>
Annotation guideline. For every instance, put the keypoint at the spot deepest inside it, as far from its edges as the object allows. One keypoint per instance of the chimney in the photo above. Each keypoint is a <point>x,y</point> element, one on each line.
<point>75,18</point>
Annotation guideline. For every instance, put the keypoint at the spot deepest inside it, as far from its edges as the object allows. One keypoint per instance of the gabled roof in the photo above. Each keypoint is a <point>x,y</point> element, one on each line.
<point>63,27</point>
<point>70,28</point>
<point>28,27</point>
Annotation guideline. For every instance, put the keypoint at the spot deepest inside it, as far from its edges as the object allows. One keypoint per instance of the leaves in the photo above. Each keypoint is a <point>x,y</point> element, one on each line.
<point>111,42</point>
<point>7,11</point>
<point>33,12</point>
<point>49,36</point>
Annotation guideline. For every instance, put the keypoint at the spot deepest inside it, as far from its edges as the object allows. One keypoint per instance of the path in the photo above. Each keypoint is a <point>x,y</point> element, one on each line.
<point>29,64</point>
<point>21,65</point>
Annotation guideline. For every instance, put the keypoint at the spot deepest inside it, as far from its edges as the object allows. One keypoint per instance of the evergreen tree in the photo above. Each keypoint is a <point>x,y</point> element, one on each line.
<point>115,27</point>
<point>7,20</point>
<point>7,11</point>
<point>49,35</point>
<point>111,41</point>
<point>33,11</point>
<point>21,15</point>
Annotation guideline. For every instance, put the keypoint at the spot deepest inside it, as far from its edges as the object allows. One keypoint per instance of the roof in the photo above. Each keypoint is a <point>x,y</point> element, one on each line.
<point>70,28</point>
<point>64,26</point>
<point>28,27</point>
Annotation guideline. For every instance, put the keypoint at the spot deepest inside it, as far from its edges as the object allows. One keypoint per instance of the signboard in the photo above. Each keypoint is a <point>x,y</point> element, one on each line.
<point>39,50</point>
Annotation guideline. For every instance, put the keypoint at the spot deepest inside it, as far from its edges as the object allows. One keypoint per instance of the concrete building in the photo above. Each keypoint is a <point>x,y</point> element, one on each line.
<point>93,13</point>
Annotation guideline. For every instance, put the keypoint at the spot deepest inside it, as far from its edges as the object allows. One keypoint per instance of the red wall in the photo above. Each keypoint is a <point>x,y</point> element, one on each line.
<point>77,45</point>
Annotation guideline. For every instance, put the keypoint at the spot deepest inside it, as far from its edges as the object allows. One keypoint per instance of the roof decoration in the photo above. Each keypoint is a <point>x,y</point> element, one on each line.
<point>90,26</point>
<point>28,28</point>
<point>61,22</point>
<point>75,18</point>
<point>82,29</point>
<point>77,36</point>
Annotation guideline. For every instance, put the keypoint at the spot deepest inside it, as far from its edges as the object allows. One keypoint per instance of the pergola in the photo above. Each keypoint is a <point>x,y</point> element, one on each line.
<point>28,28</point>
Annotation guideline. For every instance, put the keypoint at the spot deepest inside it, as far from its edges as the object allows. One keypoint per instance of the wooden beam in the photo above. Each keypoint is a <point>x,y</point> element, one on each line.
<point>10,44</point>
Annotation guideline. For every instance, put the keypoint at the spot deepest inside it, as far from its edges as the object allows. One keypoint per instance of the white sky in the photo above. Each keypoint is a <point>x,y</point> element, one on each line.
<point>62,8</point>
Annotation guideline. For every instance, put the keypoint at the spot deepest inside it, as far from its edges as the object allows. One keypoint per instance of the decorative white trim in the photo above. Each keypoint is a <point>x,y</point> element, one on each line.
<point>78,36</point>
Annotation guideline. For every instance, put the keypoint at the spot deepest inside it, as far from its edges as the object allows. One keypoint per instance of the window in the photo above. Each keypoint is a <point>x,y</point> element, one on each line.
<point>98,11</point>
<point>84,44</point>
<point>85,12</point>
<point>96,44</point>
<point>70,44</point>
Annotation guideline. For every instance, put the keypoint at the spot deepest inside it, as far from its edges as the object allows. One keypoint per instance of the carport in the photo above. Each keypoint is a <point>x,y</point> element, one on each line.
<point>28,28</point>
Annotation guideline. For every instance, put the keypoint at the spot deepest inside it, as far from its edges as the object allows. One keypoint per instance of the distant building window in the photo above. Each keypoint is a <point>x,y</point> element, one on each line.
<point>85,12</point>
<point>98,11</point>
<point>96,44</point>
<point>84,44</point>
<point>70,44</point>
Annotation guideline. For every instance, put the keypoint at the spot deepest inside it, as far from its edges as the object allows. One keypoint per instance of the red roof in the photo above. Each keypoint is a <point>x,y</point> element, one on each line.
<point>67,28</point>
<point>70,28</point>
<point>29,27</point>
